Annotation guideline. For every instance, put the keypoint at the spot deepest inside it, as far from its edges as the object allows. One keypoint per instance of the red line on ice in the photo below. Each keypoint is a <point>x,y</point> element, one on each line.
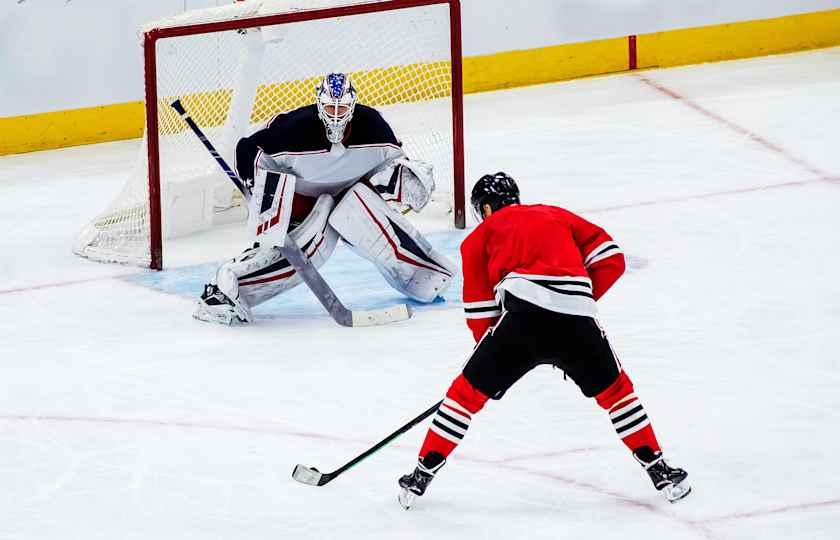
<point>58,284</point>
<point>768,187</point>
<point>771,511</point>
<point>545,455</point>
<point>698,526</point>
<point>732,125</point>
<point>657,509</point>
<point>150,422</point>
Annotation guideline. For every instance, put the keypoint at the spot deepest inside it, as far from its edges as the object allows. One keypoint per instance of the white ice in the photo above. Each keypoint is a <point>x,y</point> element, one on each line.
<point>122,417</point>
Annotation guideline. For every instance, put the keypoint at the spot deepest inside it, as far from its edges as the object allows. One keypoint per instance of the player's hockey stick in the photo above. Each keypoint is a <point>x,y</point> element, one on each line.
<point>313,477</point>
<point>292,252</point>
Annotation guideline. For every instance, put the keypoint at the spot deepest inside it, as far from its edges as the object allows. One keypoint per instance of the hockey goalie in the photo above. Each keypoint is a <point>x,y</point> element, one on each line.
<point>323,172</point>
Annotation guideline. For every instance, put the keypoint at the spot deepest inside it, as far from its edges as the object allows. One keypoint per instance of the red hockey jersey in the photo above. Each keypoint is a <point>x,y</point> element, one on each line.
<point>543,254</point>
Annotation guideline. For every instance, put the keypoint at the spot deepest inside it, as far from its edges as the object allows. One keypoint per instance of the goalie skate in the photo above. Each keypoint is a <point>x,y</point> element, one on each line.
<point>214,306</point>
<point>671,481</point>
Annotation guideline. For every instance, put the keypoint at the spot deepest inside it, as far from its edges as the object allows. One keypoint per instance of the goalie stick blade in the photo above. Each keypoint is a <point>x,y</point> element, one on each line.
<point>310,476</point>
<point>375,317</point>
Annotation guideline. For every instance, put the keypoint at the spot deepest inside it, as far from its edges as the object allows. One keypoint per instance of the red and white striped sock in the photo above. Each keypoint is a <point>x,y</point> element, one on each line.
<point>453,417</point>
<point>628,416</point>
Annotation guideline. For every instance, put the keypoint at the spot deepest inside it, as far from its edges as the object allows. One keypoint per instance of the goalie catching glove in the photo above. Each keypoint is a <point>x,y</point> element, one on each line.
<point>407,182</point>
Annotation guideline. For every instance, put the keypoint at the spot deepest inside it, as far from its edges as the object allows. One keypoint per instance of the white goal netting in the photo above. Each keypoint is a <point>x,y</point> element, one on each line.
<point>233,81</point>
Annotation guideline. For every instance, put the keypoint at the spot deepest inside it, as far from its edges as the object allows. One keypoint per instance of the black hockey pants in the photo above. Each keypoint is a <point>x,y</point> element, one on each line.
<point>527,336</point>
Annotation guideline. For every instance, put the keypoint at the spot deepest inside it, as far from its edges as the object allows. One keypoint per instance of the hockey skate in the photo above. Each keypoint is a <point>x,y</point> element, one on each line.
<point>414,484</point>
<point>669,480</point>
<point>215,306</point>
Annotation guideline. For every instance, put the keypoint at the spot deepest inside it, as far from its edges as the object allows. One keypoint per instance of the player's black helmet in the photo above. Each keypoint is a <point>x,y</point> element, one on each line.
<point>497,190</point>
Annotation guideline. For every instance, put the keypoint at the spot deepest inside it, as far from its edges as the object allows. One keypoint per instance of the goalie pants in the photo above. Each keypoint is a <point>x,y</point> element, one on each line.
<point>527,336</point>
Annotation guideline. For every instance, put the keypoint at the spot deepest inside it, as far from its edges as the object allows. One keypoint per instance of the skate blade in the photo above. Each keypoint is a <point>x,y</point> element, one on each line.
<point>406,498</point>
<point>227,318</point>
<point>203,313</point>
<point>677,492</point>
<point>204,316</point>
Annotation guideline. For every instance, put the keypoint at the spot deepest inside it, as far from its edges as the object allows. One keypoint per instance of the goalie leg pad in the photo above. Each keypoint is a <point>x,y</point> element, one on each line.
<point>383,236</point>
<point>270,209</point>
<point>261,273</point>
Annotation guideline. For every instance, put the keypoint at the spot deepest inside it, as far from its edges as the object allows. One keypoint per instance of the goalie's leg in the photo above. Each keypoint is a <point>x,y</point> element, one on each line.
<point>383,236</point>
<point>261,273</point>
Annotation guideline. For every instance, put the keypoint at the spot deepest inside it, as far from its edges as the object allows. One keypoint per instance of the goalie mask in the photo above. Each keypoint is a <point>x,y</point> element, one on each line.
<point>498,190</point>
<point>336,99</point>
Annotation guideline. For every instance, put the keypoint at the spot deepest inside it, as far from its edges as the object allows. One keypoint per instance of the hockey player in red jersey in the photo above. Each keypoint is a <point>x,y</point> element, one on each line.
<point>532,275</point>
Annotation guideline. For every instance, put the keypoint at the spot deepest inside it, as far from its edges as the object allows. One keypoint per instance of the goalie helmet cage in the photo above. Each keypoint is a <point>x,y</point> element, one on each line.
<point>416,79</point>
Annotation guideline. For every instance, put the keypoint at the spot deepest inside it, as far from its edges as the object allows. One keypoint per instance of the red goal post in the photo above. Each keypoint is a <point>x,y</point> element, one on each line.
<point>403,82</point>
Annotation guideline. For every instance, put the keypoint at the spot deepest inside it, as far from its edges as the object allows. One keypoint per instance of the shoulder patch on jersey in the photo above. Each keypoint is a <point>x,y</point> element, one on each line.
<point>299,130</point>
<point>369,127</point>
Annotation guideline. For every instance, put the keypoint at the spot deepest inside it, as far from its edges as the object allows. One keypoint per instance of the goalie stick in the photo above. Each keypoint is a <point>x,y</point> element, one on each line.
<point>292,252</point>
<point>179,108</point>
<point>313,477</point>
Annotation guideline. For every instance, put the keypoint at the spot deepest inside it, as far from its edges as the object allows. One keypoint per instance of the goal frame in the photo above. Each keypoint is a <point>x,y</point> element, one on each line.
<point>152,36</point>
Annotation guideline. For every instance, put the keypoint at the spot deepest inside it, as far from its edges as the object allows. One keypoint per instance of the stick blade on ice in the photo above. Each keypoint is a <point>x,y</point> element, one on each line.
<point>400,312</point>
<point>307,475</point>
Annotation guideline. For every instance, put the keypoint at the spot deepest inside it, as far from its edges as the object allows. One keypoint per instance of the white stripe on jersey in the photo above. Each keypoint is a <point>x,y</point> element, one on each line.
<point>481,304</point>
<point>553,295</point>
<point>483,309</point>
<point>583,280</point>
<point>609,249</point>
<point>483,314</point>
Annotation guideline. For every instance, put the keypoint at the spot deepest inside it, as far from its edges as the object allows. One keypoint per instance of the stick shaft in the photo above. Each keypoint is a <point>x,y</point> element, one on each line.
<point>179,108</point>
<point>422,416</point>
<point>316,283</point>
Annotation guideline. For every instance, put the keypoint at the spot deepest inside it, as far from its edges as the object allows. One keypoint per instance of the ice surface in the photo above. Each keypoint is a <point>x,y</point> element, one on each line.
<point>121,417</point>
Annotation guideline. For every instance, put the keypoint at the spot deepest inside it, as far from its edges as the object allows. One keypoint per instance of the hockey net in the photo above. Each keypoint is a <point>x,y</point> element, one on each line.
<point>235,67</point>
